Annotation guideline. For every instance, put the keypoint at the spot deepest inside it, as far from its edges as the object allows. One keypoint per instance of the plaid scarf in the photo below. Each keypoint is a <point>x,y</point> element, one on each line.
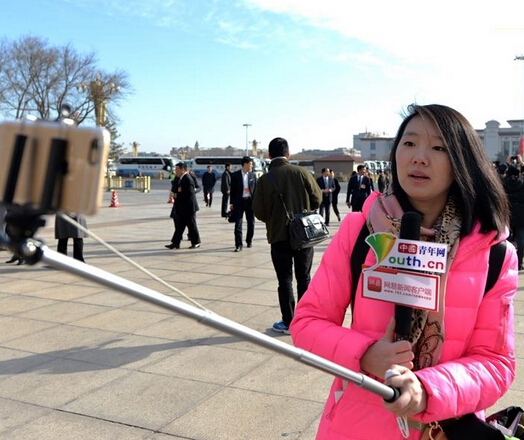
<point>427,328</point>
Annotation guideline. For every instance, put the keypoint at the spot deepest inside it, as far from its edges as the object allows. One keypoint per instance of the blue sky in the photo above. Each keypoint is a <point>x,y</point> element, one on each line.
<point>314,72</point>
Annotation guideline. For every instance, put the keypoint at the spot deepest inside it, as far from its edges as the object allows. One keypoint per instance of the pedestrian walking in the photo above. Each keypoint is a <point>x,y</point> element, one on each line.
<point>225,188</point>
<point>208,183</point>
<point>514,187</point>
<point>243,184</point>
<point>184,208</point>
<point>381,182</point>
<point>300,192</point>
<point>334,195</point>
<point>359,188</point>
<point>327,187</point>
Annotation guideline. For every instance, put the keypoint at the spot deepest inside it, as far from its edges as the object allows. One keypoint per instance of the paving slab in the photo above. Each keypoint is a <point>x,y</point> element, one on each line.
<point>245,415</point>
<point>284,377</point>
<point>208,363</point>
<point>62,425</point>
<point>14,327</point>
<point>15,414</point>
<point>57,382</point>
<point>142,399</point>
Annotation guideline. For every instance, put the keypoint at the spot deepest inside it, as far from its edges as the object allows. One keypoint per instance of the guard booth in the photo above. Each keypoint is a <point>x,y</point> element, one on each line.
<point>142,184</point>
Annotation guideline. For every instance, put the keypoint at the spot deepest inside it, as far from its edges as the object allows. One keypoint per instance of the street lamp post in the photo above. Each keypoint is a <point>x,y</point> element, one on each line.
<point>99,92</point>
<point>521,139</point>
<point>246,125</point>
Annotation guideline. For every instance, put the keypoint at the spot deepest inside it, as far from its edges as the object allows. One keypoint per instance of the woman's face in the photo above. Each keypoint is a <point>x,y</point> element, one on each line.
<point>423,166</point>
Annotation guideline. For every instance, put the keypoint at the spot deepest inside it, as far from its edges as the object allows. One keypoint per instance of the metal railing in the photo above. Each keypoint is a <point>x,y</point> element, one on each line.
<point>142,184</point>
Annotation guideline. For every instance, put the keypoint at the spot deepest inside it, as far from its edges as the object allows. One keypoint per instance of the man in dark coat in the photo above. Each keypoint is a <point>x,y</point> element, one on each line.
<point>359,188</point>
<point>243,183</point>
<point>185,208</point>
<point>336,191</point>
<point>381,182</point>
<point>225,187</point>
<point>300,192</point>
<point>208,182</point>
<point>327,187</point>
<point>514,186</point>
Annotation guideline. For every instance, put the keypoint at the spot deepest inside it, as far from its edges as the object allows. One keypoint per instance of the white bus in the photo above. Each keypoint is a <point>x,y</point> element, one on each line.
<point>218,163</point>
<point>153,166</point>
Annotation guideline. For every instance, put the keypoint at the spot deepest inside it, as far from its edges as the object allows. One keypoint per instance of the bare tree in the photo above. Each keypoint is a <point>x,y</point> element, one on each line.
<point>36,78</point>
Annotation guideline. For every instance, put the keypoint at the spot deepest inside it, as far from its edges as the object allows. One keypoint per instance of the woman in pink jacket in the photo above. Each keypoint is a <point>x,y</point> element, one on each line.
<point>458,359</point>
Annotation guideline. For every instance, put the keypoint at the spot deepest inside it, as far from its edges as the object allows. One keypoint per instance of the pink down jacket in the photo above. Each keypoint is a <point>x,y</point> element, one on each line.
<point>477,364</point>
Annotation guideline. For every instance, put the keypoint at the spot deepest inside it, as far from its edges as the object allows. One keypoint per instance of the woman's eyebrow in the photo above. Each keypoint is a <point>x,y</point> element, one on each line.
<point>414,133</point>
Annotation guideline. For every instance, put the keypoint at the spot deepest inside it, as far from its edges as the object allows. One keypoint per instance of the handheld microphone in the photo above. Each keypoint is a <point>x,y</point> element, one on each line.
<point>409,230</point>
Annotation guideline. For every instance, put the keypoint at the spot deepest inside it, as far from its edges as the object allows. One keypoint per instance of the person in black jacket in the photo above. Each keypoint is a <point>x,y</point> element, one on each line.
<point>514,186</point>
<point>185,208</point>
<point>208,182</point>
<point>381,182</point>
<point>359,188</point>
<point>225,188</point>
<point>327,187</point>
<point>243,183</point>
<point>336,191</point>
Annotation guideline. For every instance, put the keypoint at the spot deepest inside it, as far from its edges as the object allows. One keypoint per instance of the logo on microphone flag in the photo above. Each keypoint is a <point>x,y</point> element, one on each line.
<point>386,281</point>
<point>381,245</point>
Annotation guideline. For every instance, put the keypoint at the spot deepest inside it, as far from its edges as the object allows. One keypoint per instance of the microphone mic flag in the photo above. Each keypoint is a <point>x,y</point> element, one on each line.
<point>409,230</point>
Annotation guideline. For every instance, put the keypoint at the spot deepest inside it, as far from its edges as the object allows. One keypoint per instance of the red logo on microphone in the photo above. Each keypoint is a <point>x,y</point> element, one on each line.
<point>375,284</point>
<point>405,248</point>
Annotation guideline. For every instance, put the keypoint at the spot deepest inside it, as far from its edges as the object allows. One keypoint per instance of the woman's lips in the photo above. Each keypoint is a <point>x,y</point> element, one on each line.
<point>418,176</point>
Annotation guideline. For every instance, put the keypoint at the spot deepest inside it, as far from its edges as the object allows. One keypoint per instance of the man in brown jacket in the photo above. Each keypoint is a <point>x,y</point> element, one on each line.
<point>300,192</point>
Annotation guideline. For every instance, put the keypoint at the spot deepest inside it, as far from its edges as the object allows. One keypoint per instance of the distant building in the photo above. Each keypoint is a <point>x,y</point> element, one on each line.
<point>502,142</point>
<point>310,154</point>
<point>373,146</point>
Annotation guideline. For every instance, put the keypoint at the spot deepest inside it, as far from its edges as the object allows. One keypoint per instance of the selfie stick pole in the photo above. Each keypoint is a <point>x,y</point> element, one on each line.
<point>34,251</point>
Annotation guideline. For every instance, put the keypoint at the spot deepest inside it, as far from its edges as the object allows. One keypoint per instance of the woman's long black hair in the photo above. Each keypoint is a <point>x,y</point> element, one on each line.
<point>477,189</point>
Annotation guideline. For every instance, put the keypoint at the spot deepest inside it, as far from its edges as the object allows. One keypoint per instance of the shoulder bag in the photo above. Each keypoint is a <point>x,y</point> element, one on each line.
<point>306,229</point>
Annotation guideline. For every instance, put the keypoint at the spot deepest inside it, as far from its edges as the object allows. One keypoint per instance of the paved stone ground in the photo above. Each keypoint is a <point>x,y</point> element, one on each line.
<point>80,361</point>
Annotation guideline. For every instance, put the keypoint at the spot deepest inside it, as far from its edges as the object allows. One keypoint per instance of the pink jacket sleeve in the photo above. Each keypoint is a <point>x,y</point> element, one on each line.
<point>478,379</point>
<point>317,325</point>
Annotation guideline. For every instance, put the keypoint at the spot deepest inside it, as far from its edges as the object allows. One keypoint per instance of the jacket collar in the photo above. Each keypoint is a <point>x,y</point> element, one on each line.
<point>278,162</point>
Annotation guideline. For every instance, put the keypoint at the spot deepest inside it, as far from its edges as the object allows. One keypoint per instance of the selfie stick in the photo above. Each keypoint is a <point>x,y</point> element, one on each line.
<point>33,251</point>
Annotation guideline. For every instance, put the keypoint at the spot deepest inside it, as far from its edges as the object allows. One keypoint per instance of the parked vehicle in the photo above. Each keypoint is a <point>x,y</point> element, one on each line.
<point>377,165</point>
<point>153,166</point>
<point>201,163</point>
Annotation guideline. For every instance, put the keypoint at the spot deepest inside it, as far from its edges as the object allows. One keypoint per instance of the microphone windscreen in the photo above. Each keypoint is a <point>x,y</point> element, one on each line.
<point>410,226</point>
<point>409,230</point>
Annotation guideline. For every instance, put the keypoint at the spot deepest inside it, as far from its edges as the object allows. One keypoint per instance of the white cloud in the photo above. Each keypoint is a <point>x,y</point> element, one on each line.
<point>448,51</point>
<point>361,59</point>
<point>409,29</point>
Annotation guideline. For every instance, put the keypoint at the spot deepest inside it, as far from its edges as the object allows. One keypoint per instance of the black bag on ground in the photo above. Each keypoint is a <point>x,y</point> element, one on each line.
<point>307,229</point>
